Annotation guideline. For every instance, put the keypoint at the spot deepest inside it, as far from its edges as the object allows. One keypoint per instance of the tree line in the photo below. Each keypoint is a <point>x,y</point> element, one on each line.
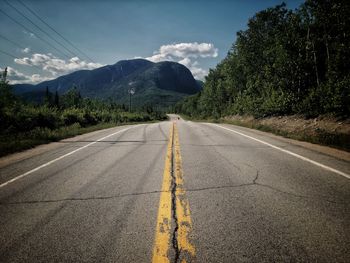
<point>285,62</point>
<point>25,124</point>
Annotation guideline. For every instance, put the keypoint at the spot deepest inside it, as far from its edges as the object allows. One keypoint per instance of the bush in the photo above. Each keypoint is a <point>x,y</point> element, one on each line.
<point>72,115</point>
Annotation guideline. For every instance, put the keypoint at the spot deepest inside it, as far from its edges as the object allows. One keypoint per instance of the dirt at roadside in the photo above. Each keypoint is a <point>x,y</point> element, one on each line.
<point>324,130</point>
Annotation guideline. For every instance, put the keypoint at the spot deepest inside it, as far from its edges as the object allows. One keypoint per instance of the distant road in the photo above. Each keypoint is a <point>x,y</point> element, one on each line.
<point>175,191</point>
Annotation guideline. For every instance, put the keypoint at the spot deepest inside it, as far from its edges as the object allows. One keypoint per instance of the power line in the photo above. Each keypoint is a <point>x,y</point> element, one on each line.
<point>13,56</point>
<point>8,54</point>
<point>38,27</point>
<point>16,44</point>
<point>12,42</point>
<point>43,31</point>
<point>44,22</point>
<point>30,31</point>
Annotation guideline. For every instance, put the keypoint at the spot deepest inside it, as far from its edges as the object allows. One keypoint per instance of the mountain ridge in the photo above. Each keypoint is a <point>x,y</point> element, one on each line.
<point>163,82</point>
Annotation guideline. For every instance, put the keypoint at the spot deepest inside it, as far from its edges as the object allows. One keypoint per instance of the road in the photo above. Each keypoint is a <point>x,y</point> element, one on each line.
<point>175,191</point>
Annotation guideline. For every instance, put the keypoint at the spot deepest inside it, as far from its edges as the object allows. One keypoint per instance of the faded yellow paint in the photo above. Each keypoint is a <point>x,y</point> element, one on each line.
<point>182,205</point>
<point>163,228</point>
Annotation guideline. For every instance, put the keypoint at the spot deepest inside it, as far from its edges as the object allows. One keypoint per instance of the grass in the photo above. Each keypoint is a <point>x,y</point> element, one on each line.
<point>322,137</point>
<point>336,140</point>
<point>21,141</point>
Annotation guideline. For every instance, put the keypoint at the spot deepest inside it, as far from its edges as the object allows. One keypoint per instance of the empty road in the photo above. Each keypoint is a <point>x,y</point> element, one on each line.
<point>175,191</point>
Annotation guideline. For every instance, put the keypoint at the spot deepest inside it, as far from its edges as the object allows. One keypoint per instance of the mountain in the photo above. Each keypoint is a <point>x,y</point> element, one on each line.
<point>162,83</point>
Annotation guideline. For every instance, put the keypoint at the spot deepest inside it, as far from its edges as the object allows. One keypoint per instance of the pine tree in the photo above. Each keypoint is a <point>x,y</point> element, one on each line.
<point>56,100</point>
<point>6,97</point>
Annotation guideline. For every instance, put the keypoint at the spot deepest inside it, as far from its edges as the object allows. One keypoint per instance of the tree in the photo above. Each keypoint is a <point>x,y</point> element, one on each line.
<point>285,62</point>
<point>7,99</point>
<point>48,97</point>
<point>56,100</point>
<point>72,98</point>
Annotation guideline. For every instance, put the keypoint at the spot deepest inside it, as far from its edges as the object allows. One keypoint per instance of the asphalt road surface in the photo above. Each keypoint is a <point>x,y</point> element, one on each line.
<point>175,191</point>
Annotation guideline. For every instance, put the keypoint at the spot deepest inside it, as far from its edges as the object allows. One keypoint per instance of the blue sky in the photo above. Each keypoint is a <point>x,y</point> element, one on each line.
<point>197,34</point>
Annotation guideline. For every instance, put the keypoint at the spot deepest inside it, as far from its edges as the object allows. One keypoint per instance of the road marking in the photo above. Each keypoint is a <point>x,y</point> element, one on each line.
<point>173,193</point>
<point>163,228</point>
<point>182,207</point>
<point>286,151</point>
<point>59,158</point>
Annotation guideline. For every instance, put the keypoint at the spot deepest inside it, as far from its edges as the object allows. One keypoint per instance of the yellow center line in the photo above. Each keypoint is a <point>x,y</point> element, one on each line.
<point>182,206</point>
<point>163,235</point>
<point>163,228</point>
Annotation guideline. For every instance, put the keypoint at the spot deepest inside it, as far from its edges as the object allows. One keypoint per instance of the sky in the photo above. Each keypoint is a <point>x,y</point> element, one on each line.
<point>197,34</point>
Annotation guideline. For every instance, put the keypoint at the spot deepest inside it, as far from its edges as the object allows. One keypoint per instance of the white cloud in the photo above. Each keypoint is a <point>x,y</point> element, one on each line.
<point>184,50</point>
<point>37,78</point>
<point>197,72</point>
<point>26,50</point>
<point>30,34</point>
<point>16,77</point>
<point>49,63</point>
<point>186,62</point>
<point>56,66</point>
<point>184,53</point>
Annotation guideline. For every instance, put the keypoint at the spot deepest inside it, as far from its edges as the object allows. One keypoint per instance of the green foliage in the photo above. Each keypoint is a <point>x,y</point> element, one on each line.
<point>286,62</point>
<point>6,97</point>
<point>24,125</point>
<point>15,142</point>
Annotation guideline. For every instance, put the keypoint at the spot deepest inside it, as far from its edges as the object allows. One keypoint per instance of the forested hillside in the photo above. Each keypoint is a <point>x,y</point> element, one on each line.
<point>159,84</point>
<point>286,62</point>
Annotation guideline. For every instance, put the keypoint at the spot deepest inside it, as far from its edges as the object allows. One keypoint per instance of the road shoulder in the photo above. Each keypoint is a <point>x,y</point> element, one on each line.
<point>43,148</point>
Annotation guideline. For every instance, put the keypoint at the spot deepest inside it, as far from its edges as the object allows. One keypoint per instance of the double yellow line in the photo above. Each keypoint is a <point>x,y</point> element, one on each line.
<point>173,207</point>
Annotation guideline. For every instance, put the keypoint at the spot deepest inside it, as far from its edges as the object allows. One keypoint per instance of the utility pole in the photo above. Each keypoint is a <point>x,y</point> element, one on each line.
<point>131,92</point>
<point>129,101</point>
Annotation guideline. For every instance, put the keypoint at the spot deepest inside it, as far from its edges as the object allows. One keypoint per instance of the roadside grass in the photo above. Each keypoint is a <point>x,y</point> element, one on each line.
<point>322,137</point>
<point>337,140</point>
<point>11,143</point>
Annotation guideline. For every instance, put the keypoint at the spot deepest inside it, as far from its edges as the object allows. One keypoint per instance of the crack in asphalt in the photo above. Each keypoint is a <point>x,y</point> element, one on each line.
<point>157,192</point>
<point>299,196</point>
<point>81,199</point>
<point>256,177</point>
<point>173,205</point>
<point>254,183</point>
<point>173,191</point>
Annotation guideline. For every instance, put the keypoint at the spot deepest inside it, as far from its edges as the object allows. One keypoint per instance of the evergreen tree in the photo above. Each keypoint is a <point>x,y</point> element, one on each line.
<point>48,97</point>
<point>56,100</point>
<point>285,62</point>
<point>7,99</point>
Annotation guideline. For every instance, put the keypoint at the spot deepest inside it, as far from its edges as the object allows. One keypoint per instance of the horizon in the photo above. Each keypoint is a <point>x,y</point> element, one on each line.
<point>34,34</point>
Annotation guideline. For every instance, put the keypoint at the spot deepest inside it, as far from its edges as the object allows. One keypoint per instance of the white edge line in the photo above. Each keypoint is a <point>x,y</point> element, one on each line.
<point>288,152</point>
<point>61,157</point>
